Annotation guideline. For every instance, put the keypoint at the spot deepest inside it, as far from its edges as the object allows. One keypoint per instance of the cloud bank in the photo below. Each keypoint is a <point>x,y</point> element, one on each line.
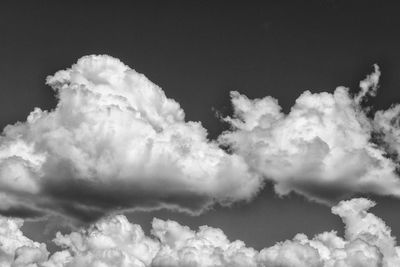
<point>114,141</point>
<point>326,148</point>
<point>114,241</point>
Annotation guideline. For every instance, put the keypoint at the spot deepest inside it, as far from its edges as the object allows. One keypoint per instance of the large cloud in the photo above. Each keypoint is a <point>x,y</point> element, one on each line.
<point>115,242</point>
<point>325,148</point>
<point>113,141</point>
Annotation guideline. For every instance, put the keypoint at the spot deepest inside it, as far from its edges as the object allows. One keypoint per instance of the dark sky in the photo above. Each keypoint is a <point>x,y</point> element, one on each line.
<point>198,51</point>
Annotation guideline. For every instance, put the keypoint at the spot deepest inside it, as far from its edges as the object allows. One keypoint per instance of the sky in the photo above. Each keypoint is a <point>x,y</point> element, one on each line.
<point>197,52</point>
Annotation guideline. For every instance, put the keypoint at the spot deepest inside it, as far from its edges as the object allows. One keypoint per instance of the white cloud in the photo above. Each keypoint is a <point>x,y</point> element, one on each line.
<point>209,246</point>
<point>111,242</point>
<point>322,148</point>
<point>115,242</point>
<point>114,141</point>
<point>17,250</point>
<point>387,125</point>
<point>369,85</point>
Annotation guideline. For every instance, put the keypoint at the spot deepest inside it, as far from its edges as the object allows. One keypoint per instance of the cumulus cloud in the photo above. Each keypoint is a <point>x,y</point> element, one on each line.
<point>367,242</point>
<point>326,148</point>
<point>387,125</point>
<point>115,242</point>
<point>16,249</point>
<point>114,141</point>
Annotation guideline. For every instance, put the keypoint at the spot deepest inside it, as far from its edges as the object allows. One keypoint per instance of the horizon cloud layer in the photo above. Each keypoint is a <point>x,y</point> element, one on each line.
<point>115,242</point>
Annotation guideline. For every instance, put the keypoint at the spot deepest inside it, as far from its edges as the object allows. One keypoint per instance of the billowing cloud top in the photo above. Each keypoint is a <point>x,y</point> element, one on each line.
<point>113,141</point>
<point>115,242</point>
<point>325,148</point>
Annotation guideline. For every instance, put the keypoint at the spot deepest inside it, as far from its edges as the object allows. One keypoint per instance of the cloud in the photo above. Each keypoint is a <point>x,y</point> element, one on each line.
<point>387,125</point>
<point>326,148</point>
<point>17,250</point>
<point>114,141</point>
<point>115,242</point>
<point>110,242</point>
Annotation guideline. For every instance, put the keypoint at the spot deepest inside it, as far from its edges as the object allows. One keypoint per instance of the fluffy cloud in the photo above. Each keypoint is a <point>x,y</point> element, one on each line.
<point>17,250</point>
<point>115,242</point>
<point>367,242</point>
<point>114,141</point>
<point>110,242</point>
<point>387,125</point>
<point>324,148</point>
